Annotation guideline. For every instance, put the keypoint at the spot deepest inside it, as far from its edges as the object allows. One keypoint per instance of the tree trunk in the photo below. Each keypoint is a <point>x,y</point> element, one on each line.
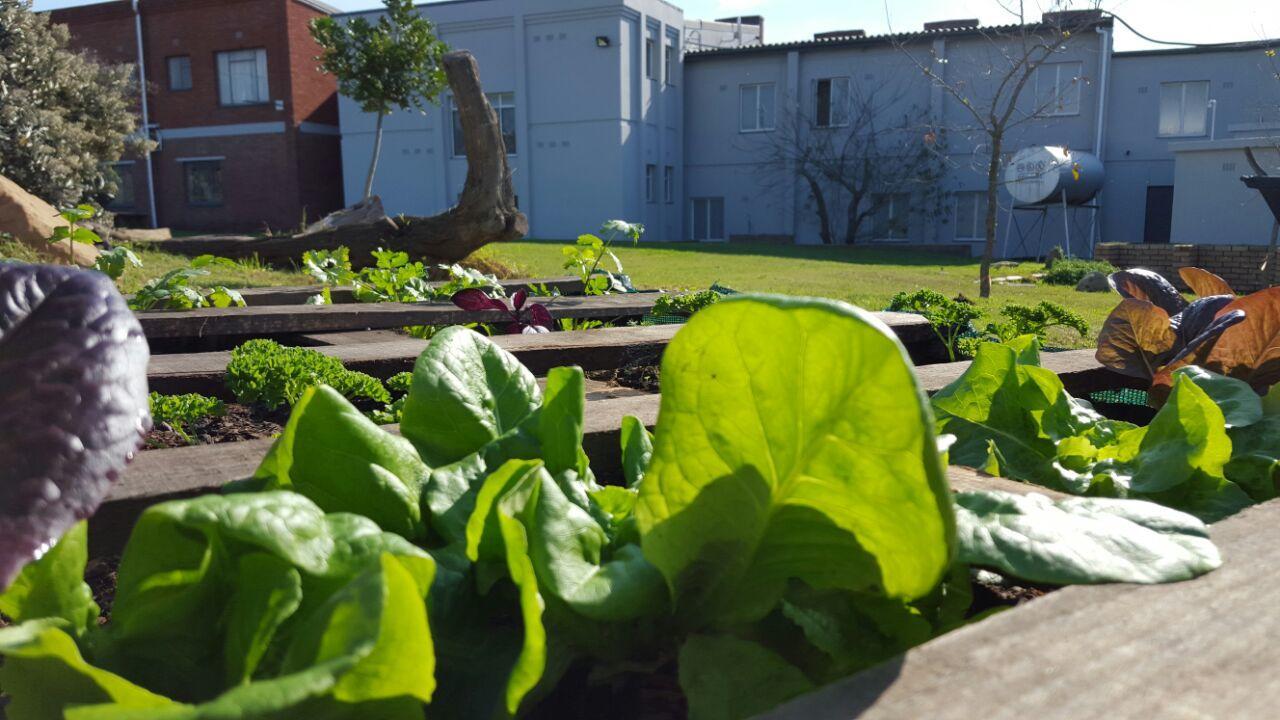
<point>989,248</point>
<point>373,164</point>
<point>824,216</point>
<point>486,212</point>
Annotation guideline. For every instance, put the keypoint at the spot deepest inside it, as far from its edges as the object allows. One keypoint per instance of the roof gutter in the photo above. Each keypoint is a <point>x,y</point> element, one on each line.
<point>146,117</point>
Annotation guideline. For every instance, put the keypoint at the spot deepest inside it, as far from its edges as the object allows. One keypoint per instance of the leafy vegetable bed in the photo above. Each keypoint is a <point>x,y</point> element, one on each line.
<point>788,523</point>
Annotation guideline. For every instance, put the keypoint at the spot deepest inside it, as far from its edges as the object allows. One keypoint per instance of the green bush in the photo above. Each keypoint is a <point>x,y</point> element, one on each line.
<point>950,319</point>
<point>177,411</point>
<point>266,373</point>
<point>1069,272</point>
<point>685,305</point>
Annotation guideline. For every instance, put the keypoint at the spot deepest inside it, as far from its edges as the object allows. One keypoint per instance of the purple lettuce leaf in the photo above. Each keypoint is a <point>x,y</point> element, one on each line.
<point>73,383</point>
<point>539,315</point>
<point>517,300</point>
<point>476,300</point>
<point>1146,285</point>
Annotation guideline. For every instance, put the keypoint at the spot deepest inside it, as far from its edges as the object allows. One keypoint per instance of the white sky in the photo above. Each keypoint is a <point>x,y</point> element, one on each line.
<point>1195,21</point>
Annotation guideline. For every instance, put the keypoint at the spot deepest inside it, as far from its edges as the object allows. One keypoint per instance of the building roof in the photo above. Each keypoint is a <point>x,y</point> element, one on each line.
<point>869,40</point>
<point>1214,47</point>
<point>110,7</point>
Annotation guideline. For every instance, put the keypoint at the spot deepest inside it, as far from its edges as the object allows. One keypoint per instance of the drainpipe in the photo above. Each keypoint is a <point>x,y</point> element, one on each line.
<point>1100,135</point>
<point>146,117</point>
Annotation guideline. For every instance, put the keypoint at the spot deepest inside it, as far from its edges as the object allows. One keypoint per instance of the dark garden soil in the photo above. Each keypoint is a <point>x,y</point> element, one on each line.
<point>241,422</point>
<point>989,594</point>
<point>639,372</point>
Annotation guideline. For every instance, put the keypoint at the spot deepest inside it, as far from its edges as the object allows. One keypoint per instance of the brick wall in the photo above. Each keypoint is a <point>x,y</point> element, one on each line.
<point>1239,265</point>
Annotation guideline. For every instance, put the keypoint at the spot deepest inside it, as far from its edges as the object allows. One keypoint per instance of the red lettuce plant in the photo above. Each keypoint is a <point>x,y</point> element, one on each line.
<point>73,375</point>
<point>528,320</point>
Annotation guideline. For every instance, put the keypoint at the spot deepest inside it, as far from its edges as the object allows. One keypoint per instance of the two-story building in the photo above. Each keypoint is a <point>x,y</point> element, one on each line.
<point>246,125</point>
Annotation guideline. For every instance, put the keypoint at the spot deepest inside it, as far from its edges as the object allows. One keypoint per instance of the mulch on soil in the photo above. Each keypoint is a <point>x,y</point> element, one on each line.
<point>241,422</point>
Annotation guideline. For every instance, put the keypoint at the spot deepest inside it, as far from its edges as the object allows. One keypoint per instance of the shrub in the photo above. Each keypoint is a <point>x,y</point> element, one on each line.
<point>685,305</point>
<point>266,373</point>
<point>950,319</point>
<point>1069,272</point>
<point>178,411</point>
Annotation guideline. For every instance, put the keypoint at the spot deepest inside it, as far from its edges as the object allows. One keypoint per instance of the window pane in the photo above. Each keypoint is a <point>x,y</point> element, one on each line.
<point>747,110</point>
<point>1195,109</point>
<point>700,219</point>
<point>649,172</point>
<point>668,59</point>
<point>766,107</point>
<point>717,219</point>
<point>822,115</point>
<point>880,221</point>
<point>204,182</point>
<point>669,184</point>
<point>648,58</point>
<point>840,102</point>
<point>900,208</point>
<point>1170,108</point>
<point>507,118</point>
<point>179,73</point>
<point>966,217</point>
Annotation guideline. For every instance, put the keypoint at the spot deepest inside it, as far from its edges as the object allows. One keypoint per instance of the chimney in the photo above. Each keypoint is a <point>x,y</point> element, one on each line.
<point>840,35</point>
<point>964,24</point>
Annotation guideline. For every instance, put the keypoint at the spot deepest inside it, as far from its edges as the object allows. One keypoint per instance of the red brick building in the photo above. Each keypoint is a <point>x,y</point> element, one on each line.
<point>247,124</point>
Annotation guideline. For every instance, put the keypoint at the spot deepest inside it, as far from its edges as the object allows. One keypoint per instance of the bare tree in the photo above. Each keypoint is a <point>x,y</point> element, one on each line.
<point>857,146</point>
<point>994,93</point>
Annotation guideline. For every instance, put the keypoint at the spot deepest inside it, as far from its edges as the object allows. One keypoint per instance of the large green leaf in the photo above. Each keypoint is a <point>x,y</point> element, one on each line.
<point>182,570</point>
<point>466,393</point>
<point>44,673</point>
<point>1255,457</point>
<point>637,450</point>
<point>1009,417</point>
<point>793,441</point>
<point>54,587</point>
<point>1240,405</point>
<point>1081,540</point>
<point>331,453</point>
<point>725,678</point>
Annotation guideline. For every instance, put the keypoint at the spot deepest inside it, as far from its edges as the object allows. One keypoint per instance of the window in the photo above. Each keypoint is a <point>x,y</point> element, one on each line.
<point>668,184</point>
<point>831,97</point>
<point>504,104</point>
<point>1184,108</point>
<point>890,221</point>
<point>971,215</point>
<point>648,58</point>
<point>668,63</point>
<point>242,77</point>
<point>204,181</point>
<point>122,173</point>
<point>180,73</point>
<point>1058,88</point>
<point>650,179</point>
<point>706,221</point>
<point>756,107</point>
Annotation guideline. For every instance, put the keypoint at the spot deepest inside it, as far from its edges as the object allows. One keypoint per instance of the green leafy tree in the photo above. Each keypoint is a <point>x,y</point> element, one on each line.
<point>63,116</point>
<point>393,64</point>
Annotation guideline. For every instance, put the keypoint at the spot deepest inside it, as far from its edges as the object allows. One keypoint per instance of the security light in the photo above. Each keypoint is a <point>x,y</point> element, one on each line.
<point>602,41</point>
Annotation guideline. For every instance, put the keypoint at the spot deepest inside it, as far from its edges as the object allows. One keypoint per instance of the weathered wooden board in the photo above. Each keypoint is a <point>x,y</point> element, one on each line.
<point>589,349</point>
<point>298,294</point>
<point>293,319</point>
<point>601,349</point>
<point>353,337</point>
<point>1199,649</point>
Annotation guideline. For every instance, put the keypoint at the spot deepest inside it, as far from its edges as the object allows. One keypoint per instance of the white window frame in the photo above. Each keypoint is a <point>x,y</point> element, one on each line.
<point>693,224</point>
<point>1182,109</point>
<point>1075,78</point>
<point>226,90</point>
<point>499,101</point>
<point>978,199</point>
<point>906,221</point>
<point>169,65</point>
<point>669,184</point>
<point>650,182</point>
<point>668,63</point>
<point>837,115</point>
<point>759,123</point>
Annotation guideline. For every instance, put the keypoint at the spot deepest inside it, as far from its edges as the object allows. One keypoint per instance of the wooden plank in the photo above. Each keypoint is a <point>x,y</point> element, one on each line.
<point>601,349</point>
<point>298,294</point>
<point>354,337</point>
<point>1079,371</point>
<point>293,319</point>
<point>1198,649</point>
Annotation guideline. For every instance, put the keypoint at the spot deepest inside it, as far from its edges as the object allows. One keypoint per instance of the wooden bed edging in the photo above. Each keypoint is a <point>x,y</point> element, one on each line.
<point>298,294</point>
<point>603,349</point>
<point>1198,649</point>
<point>265,320</point>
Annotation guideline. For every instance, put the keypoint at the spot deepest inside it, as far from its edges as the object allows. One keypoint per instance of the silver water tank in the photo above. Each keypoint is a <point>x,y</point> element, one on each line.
<point>1041,174</point>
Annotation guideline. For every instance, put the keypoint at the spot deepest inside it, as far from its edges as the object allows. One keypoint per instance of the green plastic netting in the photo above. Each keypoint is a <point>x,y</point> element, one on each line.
<point>1120,397</point>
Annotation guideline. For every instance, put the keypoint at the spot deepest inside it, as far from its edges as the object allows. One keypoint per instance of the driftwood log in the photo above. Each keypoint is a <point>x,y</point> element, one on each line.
<point>485,213</point>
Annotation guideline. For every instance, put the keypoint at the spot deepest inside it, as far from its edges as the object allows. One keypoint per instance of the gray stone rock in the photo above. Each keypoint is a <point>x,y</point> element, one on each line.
<point>1093,282</point>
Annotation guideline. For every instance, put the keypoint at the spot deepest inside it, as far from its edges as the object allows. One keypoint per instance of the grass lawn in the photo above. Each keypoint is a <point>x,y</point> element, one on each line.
<point>867,277</point>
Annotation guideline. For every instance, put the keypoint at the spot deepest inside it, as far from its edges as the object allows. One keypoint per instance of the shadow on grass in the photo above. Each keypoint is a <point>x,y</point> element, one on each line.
<point>853,254</point>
